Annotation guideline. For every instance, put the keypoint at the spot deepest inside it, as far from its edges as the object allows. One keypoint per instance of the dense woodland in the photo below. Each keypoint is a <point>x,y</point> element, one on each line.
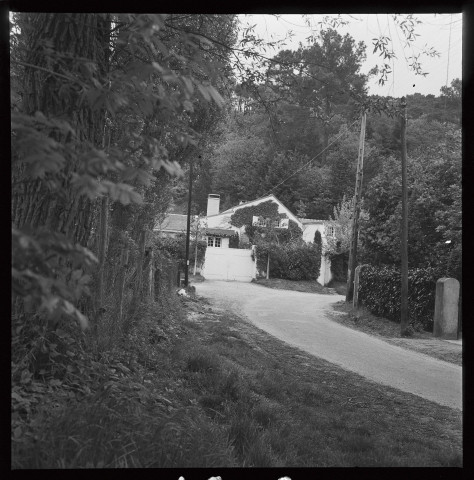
<point>109,110</point>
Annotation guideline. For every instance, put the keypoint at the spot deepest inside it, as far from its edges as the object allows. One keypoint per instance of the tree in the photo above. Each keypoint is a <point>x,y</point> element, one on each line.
<point>328,71</point>
<point>104,105</point>
<point>434,179</point>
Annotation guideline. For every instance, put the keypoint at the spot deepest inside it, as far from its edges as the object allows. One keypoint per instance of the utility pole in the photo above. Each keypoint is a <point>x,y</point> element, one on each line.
<point>188,226</point>
<point>356,211</point>
<point>196,248</point>
<point>404,239</point>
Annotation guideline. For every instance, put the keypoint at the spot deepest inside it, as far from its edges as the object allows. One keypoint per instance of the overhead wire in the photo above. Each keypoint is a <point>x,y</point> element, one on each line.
<point>314,158</point>
<point>446,96</point>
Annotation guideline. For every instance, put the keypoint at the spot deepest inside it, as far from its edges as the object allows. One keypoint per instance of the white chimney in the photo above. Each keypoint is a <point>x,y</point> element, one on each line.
<point>213,202</point>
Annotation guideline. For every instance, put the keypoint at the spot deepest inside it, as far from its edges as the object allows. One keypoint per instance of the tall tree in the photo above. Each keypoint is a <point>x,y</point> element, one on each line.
<point>320,78</point>
<point>103,102</point>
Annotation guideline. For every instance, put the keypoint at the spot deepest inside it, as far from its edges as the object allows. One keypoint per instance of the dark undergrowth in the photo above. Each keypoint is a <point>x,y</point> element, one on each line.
<point>211,390</point>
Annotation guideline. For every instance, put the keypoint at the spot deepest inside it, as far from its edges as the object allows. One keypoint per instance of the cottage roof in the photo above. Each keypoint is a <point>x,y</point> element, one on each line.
<point>310,221</point>
<point>173,223</point>
<point>258,201</point>
<point>221,232</point>
<point>246,204</point>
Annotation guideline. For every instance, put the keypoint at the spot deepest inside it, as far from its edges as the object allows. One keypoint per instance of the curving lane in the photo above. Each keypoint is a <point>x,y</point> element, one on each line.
<point>299,319</point>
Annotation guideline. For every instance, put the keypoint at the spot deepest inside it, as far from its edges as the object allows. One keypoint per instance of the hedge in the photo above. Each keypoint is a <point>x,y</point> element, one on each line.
<point>176,247</point>
<point>380,292</point>
<point>290,261</point>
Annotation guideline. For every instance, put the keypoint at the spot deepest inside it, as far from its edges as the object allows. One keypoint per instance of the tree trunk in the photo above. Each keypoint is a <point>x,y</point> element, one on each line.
<point>54,42</point>
<point>55,46</point>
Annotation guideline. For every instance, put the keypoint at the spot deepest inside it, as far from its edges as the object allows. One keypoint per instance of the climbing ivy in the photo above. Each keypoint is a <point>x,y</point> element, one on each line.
<point>244,216</point>
<point>268,210</point>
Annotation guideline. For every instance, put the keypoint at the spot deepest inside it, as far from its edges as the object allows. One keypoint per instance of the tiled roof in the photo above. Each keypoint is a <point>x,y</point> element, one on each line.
<point>244,204</point>
<point>221,232</point>
<point>173,223</point>
<point>306,221</point>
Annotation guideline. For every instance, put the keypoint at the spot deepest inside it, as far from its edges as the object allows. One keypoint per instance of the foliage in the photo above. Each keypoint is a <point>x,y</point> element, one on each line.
<point>50,274</point>
<point>434,187</point>
<point>234,241</point>
<point>269,211</point>
<point>293,261</point>
<point>341,222</point>
<point>318,239</point>
<point>101,117</point>
<point>339,266</point>
<point>244,216</point>
<point>176,247</point>
<point>320,79</point>
<point>380,292</point>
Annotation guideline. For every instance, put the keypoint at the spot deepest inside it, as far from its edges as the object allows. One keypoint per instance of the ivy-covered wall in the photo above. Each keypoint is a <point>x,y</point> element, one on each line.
<point>244,216</point>
<point>268,209</point>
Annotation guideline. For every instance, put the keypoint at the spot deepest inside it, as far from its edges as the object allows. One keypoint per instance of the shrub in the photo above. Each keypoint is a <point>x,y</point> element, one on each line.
<point>290,261</point>
<point>380,292</point>
<point>339,265</point>
<point>176,247</point>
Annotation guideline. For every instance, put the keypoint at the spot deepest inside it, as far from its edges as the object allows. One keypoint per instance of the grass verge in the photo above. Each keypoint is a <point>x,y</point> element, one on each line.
<point>203,388</point>
<point>307,286</point>
<point>421,341</point>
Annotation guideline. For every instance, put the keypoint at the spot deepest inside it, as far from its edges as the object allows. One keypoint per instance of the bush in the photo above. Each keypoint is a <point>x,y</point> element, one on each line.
<point>176,247</point>
<point>290,261</point>
<point>380,292</point>
<point>339,265</point>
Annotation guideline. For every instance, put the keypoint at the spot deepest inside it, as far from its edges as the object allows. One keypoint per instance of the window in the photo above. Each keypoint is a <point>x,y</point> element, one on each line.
<point>330,231</point>
<point>265,222</point>
<point>259,221</point>
<point>213,241</point>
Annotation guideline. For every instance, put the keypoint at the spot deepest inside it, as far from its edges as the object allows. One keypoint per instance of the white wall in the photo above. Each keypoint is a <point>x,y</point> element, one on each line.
<point>310,230</point>
<point>325,274</point>
<point>232,264</point>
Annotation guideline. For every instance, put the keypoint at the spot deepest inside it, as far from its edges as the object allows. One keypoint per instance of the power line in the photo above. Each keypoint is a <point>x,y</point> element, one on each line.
<point>449,51</point>
<point>314,158</point>
<point>446,94</point>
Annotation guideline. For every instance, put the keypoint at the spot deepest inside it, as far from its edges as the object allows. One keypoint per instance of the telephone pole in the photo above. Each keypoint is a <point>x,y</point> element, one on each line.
<point>404,239</point>
<point>356,212</point>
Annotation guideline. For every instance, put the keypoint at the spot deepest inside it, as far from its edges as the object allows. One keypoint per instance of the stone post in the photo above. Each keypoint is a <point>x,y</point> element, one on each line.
<point>446,309</point>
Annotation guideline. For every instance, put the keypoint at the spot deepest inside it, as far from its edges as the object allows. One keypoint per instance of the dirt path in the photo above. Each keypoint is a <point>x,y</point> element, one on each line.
<point>300,319</point>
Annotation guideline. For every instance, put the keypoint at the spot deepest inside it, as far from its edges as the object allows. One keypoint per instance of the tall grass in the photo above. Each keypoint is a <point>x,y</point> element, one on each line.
<point>176,393</point>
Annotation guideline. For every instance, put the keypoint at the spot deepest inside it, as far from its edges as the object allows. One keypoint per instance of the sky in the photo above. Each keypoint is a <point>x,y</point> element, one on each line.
<point>443,32</point>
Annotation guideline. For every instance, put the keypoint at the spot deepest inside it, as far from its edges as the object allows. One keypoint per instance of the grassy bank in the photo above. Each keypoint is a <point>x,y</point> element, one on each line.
<point>307,286</point>
<point>202,388</point>
<point>420,341</point>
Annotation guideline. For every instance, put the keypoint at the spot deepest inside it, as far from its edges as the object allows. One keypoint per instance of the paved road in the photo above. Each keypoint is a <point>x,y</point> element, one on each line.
<point>299,319</point>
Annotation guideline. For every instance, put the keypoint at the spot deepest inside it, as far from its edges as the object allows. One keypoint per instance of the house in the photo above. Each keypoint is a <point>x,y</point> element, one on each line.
<point>227,263</point>
<point>172,225</point>
<point>219,222</point>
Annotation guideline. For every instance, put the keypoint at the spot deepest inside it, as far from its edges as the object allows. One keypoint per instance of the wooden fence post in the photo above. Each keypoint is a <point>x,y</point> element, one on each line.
<point>139,272</point>
<point>121,283</point>
<point>102,249</point>
<point>151,276</point>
